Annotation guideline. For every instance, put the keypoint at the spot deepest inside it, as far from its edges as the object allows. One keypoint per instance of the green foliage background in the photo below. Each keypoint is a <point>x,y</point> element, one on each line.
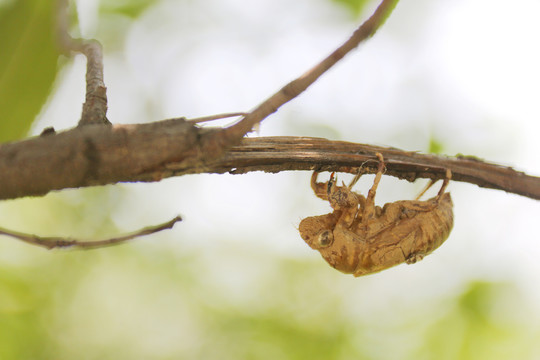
<point>28,64</point>
<point>356,7</point>
<point>146,301</point>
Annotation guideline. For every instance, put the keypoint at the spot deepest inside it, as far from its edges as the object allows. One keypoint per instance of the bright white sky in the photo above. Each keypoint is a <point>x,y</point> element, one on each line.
<point>464,71</point>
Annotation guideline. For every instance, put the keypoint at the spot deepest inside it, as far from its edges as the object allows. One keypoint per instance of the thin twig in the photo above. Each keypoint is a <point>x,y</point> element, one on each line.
<point>215,117</point>
<point>95,106</point>
<point>61,242</point>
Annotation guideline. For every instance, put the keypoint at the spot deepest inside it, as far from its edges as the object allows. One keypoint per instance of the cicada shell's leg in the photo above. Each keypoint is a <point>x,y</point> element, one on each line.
<point>429,205</point>
<point>361,201</point>
<point>355,179</point>
<point>431,182</point>
<point>369,208</point>
<point>445,183</point>
<point>320,189</point>
<point>428,186</point>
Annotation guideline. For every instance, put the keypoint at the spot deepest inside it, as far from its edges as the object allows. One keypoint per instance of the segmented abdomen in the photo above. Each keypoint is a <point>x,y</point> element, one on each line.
<point>408,239</point>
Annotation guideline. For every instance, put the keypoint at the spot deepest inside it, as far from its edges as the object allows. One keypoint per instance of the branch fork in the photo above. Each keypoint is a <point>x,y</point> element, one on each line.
<point>94,154</point>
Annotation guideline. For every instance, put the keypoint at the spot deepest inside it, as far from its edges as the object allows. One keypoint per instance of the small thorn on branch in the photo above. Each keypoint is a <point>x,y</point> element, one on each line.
<point>61,242</point>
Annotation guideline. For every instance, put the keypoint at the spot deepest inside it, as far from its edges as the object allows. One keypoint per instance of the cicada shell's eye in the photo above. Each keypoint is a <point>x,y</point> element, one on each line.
<point>325,239</point>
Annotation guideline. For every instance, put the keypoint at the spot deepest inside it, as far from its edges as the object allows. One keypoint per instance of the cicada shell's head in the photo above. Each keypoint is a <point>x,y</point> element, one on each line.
<point>317,231</point>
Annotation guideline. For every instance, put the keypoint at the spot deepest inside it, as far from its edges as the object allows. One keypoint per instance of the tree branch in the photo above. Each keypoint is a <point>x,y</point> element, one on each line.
<point>274,154</point>
<point>99,155</point>
<point>60,242</point>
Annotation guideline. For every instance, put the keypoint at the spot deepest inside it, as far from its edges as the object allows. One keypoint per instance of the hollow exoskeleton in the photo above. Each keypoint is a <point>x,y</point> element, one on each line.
<point>360,238</point>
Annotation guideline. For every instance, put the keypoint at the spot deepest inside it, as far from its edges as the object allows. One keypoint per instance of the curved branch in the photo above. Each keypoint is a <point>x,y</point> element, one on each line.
<point>274,154</point>
<point>284,153</point>
<point>61,242</point>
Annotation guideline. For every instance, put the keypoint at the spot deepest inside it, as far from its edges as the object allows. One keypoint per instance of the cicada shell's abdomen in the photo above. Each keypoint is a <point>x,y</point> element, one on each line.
<point>413,234</point>
<point>436,226</point>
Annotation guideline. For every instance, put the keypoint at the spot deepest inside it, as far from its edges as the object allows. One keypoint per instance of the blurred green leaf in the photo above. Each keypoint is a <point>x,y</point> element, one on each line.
<point>129,8</point>
<point>435,146</point>
<point>28,63</point>
<point>477,326</point>
<point>22,335</point>
<point>354,6</point>
<point>289,339</point>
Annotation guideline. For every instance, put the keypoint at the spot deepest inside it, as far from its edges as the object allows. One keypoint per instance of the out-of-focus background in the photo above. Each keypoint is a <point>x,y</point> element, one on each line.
<point>234,280</point>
